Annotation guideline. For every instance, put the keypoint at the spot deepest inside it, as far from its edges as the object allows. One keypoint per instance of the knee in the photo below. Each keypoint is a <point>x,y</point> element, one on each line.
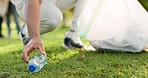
<point>51,17</point>
<point>55,22</point>
<point>50,23</point>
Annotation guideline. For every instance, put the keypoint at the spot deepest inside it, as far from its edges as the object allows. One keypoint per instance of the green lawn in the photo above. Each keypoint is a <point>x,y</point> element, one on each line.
<point>68,63</point>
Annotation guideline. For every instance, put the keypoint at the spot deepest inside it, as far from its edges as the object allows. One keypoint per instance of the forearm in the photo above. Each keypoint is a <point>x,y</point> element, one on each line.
<point>33,18</point>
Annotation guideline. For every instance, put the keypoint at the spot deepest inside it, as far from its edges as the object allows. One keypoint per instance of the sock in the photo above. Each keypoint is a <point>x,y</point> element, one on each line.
<point>25,30</point>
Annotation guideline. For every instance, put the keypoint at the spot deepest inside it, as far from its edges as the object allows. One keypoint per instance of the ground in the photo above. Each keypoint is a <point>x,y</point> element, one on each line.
<point>73,63</point>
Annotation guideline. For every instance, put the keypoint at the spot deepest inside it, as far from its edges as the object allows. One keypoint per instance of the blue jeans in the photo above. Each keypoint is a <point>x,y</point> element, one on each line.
<point>11,9</point>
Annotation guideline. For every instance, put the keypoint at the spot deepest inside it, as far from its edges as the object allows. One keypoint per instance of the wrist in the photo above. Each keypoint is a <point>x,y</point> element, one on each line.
<point>37,37</point>
<point>34,35</point>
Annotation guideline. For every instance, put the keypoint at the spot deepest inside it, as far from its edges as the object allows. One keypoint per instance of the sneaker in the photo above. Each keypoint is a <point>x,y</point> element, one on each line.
<point>71,40</point>
<point>24,38</point>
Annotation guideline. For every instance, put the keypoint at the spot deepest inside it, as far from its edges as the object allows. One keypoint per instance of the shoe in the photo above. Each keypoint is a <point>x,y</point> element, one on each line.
<point>25,39</point>
<point>71,40</point>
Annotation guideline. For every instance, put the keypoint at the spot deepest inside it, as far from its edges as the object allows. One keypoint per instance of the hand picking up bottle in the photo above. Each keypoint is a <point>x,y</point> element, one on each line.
<point>37,63</point>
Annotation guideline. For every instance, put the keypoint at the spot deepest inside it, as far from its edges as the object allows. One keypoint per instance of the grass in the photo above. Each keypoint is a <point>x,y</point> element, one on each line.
<point>69,63</point>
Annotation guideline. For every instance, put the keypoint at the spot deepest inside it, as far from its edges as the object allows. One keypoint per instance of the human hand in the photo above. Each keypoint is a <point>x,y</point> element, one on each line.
<point>35,43</point>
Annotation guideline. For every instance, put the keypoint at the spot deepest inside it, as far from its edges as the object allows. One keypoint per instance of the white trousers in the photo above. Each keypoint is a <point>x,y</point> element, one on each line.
<point>51,12</point>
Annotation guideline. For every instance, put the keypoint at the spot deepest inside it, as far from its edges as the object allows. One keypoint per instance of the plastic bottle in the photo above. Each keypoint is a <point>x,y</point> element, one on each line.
<point>37,63</point>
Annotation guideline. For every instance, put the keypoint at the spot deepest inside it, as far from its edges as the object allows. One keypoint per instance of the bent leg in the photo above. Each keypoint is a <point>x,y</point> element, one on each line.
<point>72,36</point>
<point>77,11</point>
<point>65,5</point>
<point>50,18</point>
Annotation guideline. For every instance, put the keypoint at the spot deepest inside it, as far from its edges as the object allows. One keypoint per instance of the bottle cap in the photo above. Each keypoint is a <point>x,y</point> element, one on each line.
<point>32,67</point>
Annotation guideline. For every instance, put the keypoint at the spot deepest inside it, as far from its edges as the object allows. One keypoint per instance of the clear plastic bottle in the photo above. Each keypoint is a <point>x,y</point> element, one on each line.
<point>37,63</point>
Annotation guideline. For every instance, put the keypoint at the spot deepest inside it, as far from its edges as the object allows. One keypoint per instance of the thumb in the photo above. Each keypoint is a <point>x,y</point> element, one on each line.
<point>27,50</point>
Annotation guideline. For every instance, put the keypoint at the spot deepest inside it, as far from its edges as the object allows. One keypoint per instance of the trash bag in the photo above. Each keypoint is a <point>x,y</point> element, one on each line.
<point>114,24</point>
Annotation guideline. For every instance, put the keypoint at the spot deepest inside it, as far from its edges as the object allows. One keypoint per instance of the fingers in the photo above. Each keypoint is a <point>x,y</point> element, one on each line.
<point>27,50</point>
<point>33,44</point>
<point>42,50</point>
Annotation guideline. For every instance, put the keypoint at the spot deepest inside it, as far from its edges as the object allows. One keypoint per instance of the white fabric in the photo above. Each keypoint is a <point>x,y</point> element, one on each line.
<point>51,12</point>
<point>115,24</point>
<point>77,11</point>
